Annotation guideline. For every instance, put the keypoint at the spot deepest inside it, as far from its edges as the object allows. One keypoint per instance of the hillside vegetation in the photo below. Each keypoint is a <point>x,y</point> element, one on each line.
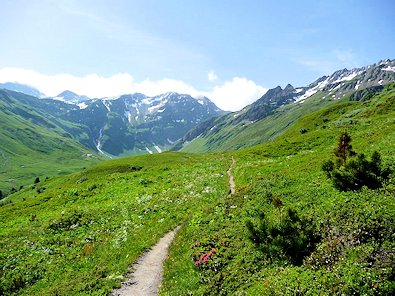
<point>229,135</point>
<point>78,234</point>
<point>34,146</point>
<point>352,249</point>
<point>286,231</point>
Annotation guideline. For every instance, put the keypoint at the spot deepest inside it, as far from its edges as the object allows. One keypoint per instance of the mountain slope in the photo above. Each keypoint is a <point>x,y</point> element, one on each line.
<point>279,108</point>
<point>126,125</point>
<point>22,88</point>
<point>136,124</point>
<point>32,144</point>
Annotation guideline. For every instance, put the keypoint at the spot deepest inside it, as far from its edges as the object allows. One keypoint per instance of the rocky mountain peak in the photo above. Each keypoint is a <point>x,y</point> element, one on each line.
<point>71,97</point>
<point>289,88</point>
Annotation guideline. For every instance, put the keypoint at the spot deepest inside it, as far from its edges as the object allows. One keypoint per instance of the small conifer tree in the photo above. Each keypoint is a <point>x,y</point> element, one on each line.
<point>344,148</point>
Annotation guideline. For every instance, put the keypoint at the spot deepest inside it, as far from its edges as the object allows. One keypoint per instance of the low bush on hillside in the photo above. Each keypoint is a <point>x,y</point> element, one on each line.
<point>291,238</point>
<point>351,171</point>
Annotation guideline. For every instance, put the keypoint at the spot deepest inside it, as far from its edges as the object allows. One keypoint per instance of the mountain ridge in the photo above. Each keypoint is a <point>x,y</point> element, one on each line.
<point>218,133</point>
<point>129,124</point>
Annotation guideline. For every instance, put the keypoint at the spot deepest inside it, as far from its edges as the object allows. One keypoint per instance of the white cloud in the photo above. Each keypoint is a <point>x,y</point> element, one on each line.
<point>212,76</point>
<point>346,57</point>
<point>236,94</point>
<point>334,60</point>
<point>321,66</point>
<point>91,85</point>
<point>232,95</point>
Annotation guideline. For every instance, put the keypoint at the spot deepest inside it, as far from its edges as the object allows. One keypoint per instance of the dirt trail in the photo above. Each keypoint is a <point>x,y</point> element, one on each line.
<point>232,184</point>
<point>148,271</point>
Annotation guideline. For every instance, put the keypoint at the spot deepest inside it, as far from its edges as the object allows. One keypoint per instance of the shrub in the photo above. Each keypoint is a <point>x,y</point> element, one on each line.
<point>303,130</point>
<point>81,180</point>
<point>135,168</point>
<point>291,239</point>
<point>37,180</point>
<point>328,167</point>
<point>360,172</point>
<point>352,173</point>
<point>69,221</point>
<point>40,189</point>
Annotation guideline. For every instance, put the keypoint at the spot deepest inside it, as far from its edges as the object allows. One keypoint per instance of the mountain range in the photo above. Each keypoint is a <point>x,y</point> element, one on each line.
<point>263,121</point>
<point>126,125</point>
<point>133,124</point>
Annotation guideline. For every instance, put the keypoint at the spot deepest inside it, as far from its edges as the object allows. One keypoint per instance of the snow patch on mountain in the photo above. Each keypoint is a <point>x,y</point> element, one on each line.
<point>157,107</point>
<point>107,104</point>
<point>357,85</point>
<point>128,115</point>
<point>98,144</point>
<point>311,91</point>
<point>389,69</point>
<point>62,99</point>
<point>158,148</point>
<point>348,77</point>
<point>82,105</point>
<point>136,107</point>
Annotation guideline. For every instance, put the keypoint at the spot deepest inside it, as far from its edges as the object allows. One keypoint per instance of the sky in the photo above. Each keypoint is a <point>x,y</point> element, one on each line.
<point>231,51</point>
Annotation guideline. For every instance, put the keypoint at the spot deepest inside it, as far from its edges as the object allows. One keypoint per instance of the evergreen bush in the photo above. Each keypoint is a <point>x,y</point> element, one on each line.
<point>352,173</point>
<point>292,238</point>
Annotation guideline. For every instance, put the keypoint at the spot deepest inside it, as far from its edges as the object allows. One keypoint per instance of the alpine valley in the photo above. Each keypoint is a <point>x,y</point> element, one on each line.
<point>292,195</point>
<point>100,128</point>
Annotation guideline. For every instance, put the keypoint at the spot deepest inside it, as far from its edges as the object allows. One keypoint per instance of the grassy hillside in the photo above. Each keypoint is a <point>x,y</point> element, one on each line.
<point>77,234</point>
<point>353,244</point>
<point>229,134</point>
<point>233,136</point>
<point>32,146</point>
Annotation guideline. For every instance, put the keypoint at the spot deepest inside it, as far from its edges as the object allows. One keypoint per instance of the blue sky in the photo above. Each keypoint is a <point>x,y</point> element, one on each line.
<point>232,51</point>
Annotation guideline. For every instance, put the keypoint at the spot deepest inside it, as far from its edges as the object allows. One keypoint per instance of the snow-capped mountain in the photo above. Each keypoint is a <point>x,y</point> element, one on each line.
<point>355,83</point>
<point>71,98</point>
<point>345,81</point>
<point>135,124</point>
<point>335,86</point>
<point>128,124</point>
